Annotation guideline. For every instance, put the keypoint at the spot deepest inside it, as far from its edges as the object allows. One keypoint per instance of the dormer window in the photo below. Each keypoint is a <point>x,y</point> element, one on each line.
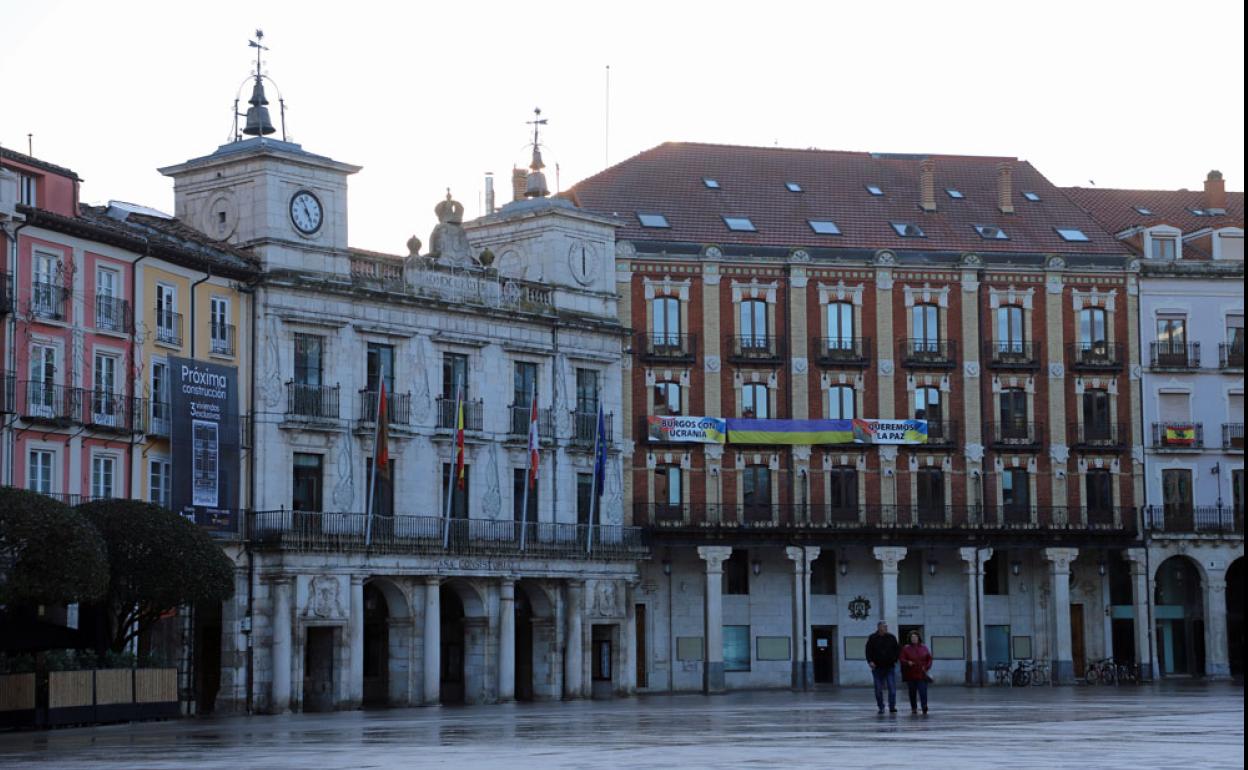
<point>711,184</point>
<point>792,187</point>
<point>907,229</point>
<point>1073,235</point>
<point>955,194</point>
<point>1163,247</point>
<point>1031,196</point>
<point>740,224</point>
<point>652,220</point>
<point>824,226</point>
<point>1228,243</point>
<point>875,190</point>
<point>1144,211</point>
<point>991,233</point>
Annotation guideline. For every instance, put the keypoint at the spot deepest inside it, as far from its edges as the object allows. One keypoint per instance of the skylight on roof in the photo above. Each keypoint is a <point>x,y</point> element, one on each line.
<point>955,194</point>
<point>1143,210</point>
<point>874,190</point>
<point>712,184</point>
<point>824,226</point>
<point>991,233</point>
<point>1072,234</point>
<point>740,224</point>
<point>1199,212</point>
<point>907,229</point>
<point>793,186</point>
<point>1031,196</point>
<point>652,220</point>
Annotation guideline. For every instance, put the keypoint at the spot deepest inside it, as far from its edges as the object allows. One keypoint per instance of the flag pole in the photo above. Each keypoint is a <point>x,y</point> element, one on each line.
<point>450,476</point>
<point>528,476</point>
<point>372,480</point>
<point>593,489</point>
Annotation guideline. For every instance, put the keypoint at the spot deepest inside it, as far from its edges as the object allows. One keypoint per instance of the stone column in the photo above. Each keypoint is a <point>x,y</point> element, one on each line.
<point>432,642</point>
<point>713,617</point>
<point>973,568</point>
<point>889,558</point>
<point>1059,575</point>
<point>628,677</point>
<point>803,667</point>
<point>1141,606</point>
<point>355,644</point>
<point>506,640</point>
<point>1217,655</point>
<point>282,643</point>
<point>574,640</point>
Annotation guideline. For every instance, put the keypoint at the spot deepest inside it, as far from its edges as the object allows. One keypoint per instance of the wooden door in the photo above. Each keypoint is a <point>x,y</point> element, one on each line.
<point>1077,651</point>
<point>639,636</point>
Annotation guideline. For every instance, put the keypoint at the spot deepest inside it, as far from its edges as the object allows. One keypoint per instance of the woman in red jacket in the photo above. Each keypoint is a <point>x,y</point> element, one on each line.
<point>916,661</point>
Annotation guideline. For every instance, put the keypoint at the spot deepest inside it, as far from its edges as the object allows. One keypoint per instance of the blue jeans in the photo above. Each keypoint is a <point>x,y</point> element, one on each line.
<point>885,677</point>
<point>918,688</point>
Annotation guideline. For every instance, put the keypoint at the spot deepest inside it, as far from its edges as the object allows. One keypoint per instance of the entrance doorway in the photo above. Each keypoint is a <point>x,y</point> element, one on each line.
<point>1078,649</point>
<point>823,653</point>
<point>604,638</point>
<point>996,646</point>
<point>1235,616</point>
<point>524,646</point>
<point>452,635</point>
<point>207,652</point>
<point>376,647</point>
<point>639,613</point>
<point>1179,610</point>
<point>318,668</point>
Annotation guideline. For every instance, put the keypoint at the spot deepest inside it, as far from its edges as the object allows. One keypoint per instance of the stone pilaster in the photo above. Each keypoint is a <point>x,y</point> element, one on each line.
<point>355,644</point>
<point>713,618</point>
<point>889,558</point>
<point>433,641</point>
<point>1217,654</point>
<point>973,560</point>
<point>283,641</point>
<point>574,639</point>
<point>803,666</point>
<point>1060,560</point>
<point>506,639</point>
<point>1141,609</point>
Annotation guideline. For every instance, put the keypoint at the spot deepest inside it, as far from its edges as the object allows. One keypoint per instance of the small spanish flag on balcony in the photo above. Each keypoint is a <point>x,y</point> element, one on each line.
<point>1180,435</point>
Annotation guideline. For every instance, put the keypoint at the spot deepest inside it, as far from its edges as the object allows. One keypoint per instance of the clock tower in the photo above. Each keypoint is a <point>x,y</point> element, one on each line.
<point>287,205</point>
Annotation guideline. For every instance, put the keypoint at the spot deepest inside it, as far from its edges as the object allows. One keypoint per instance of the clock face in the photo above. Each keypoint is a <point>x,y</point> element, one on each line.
<point>583,259</point>
<point>305,212</point>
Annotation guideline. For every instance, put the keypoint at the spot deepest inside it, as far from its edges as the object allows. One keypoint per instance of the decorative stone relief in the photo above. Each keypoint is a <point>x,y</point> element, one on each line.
<point>271,388</point>
<point>344,490</point>
<point>885,257</point>
<point>605,602</point>
<point>1054,262</point>
<point>801,452</point>
<point>971,368</point>
<point>888,453</point>
<point>1053,284</point>
<point>1057,371</point>
<point>1060,453</point>
<point>492,501</point>
<point>625,250</point>
<point>1137,454</point>
<point>324,599</point>
<point>884,280</point>
<point>840,292</point>
<point>1137,371</point>
<point>886,366</point>
<point>974,453</point>
<point>422,400</point>
<point>799,255</point>
<point>800,365</point>
<point>713,252</point>
<point>710,275</point>
<point>714,452</point>
<point>711,363</point>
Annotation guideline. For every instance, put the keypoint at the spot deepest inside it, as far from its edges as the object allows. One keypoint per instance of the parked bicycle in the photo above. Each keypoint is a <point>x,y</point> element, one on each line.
<point>1102,672</point>
<point>1002,673</point>
<point>1023,673</point>
<point>1128,673</point>
<point>1040,673</point>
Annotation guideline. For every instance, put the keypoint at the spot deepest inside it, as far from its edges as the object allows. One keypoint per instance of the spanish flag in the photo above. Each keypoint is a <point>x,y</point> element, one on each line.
<point>1180,435</point>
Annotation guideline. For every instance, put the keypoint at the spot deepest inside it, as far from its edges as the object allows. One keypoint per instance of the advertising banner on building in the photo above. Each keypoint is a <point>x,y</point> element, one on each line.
<point>890,431</point>
<point>813,432</point>
<point>204,435</point>
<point>689,430</point>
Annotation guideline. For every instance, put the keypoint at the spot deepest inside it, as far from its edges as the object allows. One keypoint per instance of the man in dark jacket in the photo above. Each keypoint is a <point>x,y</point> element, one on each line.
<point>882,654</point>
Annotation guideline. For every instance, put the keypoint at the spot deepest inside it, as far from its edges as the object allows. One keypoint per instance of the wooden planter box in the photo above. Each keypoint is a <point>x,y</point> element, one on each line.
<point>88,697</point>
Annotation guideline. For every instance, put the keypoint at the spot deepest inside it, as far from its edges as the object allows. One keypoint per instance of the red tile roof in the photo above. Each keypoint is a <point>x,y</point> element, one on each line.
<point>668,180</point>
<point>1116,209</point>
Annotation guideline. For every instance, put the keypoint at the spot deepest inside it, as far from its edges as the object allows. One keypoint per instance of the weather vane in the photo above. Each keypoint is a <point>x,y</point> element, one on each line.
<point>537,122</point>
<point>256,44</point>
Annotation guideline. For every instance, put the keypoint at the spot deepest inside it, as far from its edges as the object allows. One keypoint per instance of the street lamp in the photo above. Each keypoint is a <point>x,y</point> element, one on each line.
<point>757,566</point>
<point>1101,568</point>
<point>667,567</point>
<point>844,566</point>
<point>931,568</point>
<point>1016,567</point>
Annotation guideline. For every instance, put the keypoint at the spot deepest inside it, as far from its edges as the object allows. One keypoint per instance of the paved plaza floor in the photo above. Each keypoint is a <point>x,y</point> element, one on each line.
<point>1165,726</point>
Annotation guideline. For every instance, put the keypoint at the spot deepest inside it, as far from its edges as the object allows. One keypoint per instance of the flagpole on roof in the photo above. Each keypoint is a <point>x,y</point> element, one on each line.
<point>377,455</point>
<point>450,476</point>
<point>528,470</point>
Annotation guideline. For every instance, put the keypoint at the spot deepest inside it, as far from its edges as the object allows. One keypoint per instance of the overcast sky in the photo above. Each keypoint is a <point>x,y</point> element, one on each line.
<point>431,95</point>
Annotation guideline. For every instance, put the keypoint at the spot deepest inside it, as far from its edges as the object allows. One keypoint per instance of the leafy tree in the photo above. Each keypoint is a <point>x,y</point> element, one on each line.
<point>157,562</point>
<point>49,553</point>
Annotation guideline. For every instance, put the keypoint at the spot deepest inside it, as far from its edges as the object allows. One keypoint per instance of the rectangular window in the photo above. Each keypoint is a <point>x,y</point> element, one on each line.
<point>666,317</point>
<point>1235,335</point>
<point>737,573</point>
<point>1172,332</point>
<point>841,403</point>
<point>1093,327</point>
<point>167,321</point>
<point>1237,494</point>
<point>840,326</point>
<point>1014,413</point>
<point>1096,416</point>
<point>43,398</point>
<point>584,496</point>
<point>587,391</point>
<point>823,575</point>
<point>160,398</point>
<point>755,402</point>
<point>103,474</point>
<point>931,489</point>
<point>160,482</point>
<point>925,328</point>
<point>1010,330</point>
<point>454,376</point>
<point>103,403</point>
<point>45,291</point>
<point>39,471</point>
<point>927,405</point>
<point>910,574</point>
<point>996,576</point>
<point>459,507</point>
<point>307,482</point>
<point>520,481</point>
<point>667,398</point>
<point>1016,490</point>
<point>107,308</point>
<point>1176,492</point>
<point>28,189</point>
<point>382,490</point>
<point>1164,247</point>
<point>1232,247</point>
<point>753,323</point>
<point>843,490</point>
<point>524,383</point>
<point>736,648</point>
<point>309,359</point>
<point>379,365</point>
<point>220,332</point>
<point>668,486</point>
<point>756,492</point>
<point>1099,490</point>
<point>1174,407</point>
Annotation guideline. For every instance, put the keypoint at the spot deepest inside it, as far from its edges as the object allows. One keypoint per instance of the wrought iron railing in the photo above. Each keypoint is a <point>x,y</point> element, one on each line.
<point>1014,433</point>
<point>6,293</point>
<point>843,351</point>
<point>398,408</point>
<point>160,422</point>
<point>925,352</point>
<point>168,327</point>
<point>1099,435</point>
<point>316,402</point>
<point>1191,519</point>
<point>942,432</point>
<point>756,348</point>
<point>1013,354</point>
<point>8,393</point>
<point>519,425</point>
<point>310,532</point>
<point>1233,436</point>
<point>667,347</point>
<point>48,300</point>
<point>474,415</point>
<point>1095,355</point>
<point>1178,435</point>
<point>113,314</point>
<point>46,402</point>
<point>1231,355</point>
<point>221,339</point>
<point>104,410</point>
<point>1174,355</point>
<point>585,427</point>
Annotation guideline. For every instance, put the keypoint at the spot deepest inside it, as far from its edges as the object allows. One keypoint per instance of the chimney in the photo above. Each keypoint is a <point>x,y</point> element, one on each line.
<point>927,185</point>
<point>1215,191</point>
<point>1005,187</point>
<point>489,192</point>
<point>519,182</point>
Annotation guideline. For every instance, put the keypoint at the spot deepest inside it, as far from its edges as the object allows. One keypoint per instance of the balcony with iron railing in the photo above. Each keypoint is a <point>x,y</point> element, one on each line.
<point>1095,356</point>
<point>474,415</point>
<point>159,424</point>
<point>1014,434</point>
<point>660,347</point>
<point>1233,436</point>
<point>398,408</point>
<point>48,300</point>
<point>1231,356</point>
<point>1099,435</point>
<point>1012,354</point>
<point>928,353</point>
<point>519,423</point>
<point>168,328</point>
<point>113,314</point>
<point>312,402</point>
<point>116,412</point>
<point>41,401</point>
<point>942,432</point>
<point>1174,356</point>
<point>1193,519</point>
<point>756,349</point>
<point>843,351</point>
<point>221,339</point>
<point>1178,436</point>
<point>585,427</point>
<point>317,532</point>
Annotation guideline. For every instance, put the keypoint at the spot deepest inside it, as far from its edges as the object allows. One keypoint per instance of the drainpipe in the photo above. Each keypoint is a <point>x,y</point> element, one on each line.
<point>554,460</point>
<point>251,500</point>
<point>11,362</point>
<point>207,275</point>
<point>135,385</point>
